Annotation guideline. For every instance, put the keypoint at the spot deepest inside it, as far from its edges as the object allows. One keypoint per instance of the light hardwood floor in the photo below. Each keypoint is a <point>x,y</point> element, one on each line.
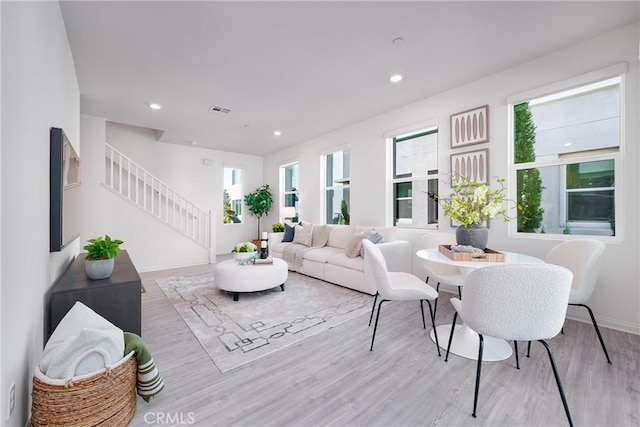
<point>332,379</point>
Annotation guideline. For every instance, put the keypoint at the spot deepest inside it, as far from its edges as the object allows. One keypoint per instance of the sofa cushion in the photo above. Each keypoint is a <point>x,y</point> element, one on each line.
<point>342,260</point>
<point>278,247</point>
<point>289,233</point>
<point>303,234</point>
<point>322,254</point>
<point>340,235</point>
<point>354,245</point>
<point>320,235</point>
<point>389,233</point>
<point>374,237</point>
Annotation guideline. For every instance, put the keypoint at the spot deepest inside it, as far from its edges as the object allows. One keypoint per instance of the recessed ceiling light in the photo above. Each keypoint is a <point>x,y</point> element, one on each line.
<point>194,142</point>
<point>277,133</point>
<point>154,106</point>
<point>567,144</point>
<point>397,41</point>
<point>396,78</point>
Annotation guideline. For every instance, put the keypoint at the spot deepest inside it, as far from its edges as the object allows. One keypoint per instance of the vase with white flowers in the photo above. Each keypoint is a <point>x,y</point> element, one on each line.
<point>471,205</point>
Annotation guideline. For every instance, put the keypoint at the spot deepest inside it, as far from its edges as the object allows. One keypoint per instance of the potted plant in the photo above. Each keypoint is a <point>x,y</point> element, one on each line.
<point>277,227</point>
<point>244,250</point>
<point>472,204</point>
<point>259,203</point>
<point>99,260</point>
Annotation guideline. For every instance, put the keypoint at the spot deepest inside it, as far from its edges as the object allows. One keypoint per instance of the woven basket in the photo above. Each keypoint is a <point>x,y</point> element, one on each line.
<point>107,398</point>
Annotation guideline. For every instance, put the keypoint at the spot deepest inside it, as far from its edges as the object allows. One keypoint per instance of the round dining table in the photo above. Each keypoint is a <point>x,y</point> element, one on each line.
<point>465,340</point>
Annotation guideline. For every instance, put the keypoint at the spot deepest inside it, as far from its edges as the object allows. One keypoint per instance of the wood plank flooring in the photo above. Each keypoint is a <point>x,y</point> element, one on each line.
<point>332,379</point>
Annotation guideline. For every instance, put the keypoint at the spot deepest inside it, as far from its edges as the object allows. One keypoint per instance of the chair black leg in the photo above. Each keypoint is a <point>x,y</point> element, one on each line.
<point>435,302</point>
<point>373,337</point>
<point>460,291</point>
<point>373,308</point>
<point>453,327</point>
<point>515,344</point>
<point>529,349</point>
<point>433,323</point>
<point>595,325</point>
<point>475,397</point>
<point>555,373</point>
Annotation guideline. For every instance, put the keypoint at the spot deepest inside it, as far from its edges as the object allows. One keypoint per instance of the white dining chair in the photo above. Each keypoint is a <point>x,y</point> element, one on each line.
<point>438,273</point>
<point>584,258</point>
<point>395,286</point>
<point>516,302</point>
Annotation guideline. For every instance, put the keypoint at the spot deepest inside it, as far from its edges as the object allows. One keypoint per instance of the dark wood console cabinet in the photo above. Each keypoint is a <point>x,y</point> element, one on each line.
<point>117,299</point>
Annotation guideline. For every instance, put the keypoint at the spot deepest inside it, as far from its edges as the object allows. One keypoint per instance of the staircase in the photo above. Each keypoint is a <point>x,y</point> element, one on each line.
<point>133,183</point>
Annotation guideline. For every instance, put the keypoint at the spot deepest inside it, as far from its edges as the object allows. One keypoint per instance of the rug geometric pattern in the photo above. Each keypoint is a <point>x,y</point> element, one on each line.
<point>237,332</point>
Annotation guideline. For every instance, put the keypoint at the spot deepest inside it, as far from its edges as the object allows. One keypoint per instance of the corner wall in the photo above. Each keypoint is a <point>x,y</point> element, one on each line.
<point>615,299</point>
<point>39,90</point>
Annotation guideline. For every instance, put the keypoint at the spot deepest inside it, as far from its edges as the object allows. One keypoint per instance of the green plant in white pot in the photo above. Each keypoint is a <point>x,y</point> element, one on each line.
<point>99,260</point>
<point>245,250</point>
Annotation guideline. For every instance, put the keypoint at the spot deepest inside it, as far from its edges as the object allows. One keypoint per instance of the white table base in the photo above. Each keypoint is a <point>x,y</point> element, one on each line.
<point>465,343</point>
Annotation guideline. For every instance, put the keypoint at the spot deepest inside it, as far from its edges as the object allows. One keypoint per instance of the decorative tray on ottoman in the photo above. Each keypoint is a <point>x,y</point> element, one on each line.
<point>489,255</point>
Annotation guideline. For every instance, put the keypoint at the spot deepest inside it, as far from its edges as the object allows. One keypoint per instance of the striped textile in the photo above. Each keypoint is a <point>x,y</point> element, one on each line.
<point>150,381</point>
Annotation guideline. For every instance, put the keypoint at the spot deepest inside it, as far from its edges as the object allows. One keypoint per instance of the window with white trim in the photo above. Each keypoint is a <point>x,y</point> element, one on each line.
<point>337,180</point>
<point>289,195</point>
<point>414,174</point>
<point>232,196</point>
<point>566,158</point>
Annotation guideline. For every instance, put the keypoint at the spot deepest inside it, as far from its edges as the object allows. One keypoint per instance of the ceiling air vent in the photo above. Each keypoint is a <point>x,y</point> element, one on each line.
<point>219,109</point>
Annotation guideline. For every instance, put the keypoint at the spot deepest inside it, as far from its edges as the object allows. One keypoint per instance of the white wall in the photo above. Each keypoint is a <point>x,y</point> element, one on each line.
<point>39,90</point>
<point>616,298</point>
<point>151,244</point>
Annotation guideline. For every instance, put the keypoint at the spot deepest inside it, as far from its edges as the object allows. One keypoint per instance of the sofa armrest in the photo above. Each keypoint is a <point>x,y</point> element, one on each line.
<point>398,255</point>
<point>275,238</point>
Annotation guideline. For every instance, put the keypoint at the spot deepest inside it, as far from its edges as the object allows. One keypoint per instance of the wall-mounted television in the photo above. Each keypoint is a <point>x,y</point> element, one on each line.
<point>65,203</point>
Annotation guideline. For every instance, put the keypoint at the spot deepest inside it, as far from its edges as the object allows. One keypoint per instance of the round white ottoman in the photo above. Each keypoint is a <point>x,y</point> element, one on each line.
<point>232,277</point>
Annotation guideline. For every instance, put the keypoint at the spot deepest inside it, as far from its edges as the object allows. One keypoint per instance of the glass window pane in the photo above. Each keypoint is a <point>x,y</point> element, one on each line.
<point>416,156</point>
<point>593,206</point>
<point>291,178</point>
<point>590,174</point>
<point>582,119</point>
<point>232,196</point>
<point>549,207</point>
<point>337,168</point>
<point>334,212</point>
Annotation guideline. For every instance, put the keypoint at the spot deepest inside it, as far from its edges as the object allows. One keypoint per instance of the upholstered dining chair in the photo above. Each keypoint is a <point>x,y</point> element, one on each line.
<point>395,286</point>
<point>441,274</point>
<point>516,302</point>
<point>584,258</point>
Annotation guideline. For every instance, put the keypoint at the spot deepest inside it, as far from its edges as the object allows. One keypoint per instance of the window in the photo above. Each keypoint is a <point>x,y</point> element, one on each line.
<point>336,187</point>
<point>233,197</point>
<point>415,173</point>
<point>566,148</point>
<point>289,189</point>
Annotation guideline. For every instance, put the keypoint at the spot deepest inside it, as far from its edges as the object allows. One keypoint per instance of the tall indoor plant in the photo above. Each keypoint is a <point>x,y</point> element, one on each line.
<point>259,203</point>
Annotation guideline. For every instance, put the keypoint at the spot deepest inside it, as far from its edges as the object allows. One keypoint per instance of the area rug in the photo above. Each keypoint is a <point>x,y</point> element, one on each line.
<point>237,332</point>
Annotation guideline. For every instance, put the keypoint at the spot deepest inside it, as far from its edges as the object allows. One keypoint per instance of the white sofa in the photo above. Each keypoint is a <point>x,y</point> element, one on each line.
<point>331,263</point>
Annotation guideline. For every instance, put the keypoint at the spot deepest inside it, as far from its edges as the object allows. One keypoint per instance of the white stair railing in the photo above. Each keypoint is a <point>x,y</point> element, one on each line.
<point>129,180</point>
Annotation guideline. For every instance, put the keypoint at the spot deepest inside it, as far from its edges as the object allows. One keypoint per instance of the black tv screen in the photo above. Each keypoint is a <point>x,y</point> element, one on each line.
<point>65,204</point>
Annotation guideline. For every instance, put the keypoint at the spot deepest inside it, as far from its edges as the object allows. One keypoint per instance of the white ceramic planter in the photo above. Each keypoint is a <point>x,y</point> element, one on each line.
<point>99,269</point>
<point>241,256</point>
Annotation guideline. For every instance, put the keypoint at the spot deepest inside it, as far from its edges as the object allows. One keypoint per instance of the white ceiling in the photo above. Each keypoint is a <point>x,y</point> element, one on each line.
<point>304,68</point>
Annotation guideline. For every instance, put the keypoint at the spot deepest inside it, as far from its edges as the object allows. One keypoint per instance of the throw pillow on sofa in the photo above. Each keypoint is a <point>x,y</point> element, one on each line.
<point>303,234</point>
<point>355,245</point>
<point>289,233</point>
<point>375,237</point>
<point>320,235</point>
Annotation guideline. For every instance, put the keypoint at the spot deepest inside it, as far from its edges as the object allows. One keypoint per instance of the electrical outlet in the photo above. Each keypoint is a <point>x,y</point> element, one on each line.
<point>12,399</point>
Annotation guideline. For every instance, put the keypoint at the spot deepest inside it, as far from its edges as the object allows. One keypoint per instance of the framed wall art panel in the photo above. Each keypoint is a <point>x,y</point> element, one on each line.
<point>470,127</point>
<point>470,166</point>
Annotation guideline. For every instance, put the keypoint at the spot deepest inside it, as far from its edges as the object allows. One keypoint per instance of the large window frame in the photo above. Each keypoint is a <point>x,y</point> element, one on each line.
<point>563,161</point>
<point>408,190</point>
<point>336,182</point>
